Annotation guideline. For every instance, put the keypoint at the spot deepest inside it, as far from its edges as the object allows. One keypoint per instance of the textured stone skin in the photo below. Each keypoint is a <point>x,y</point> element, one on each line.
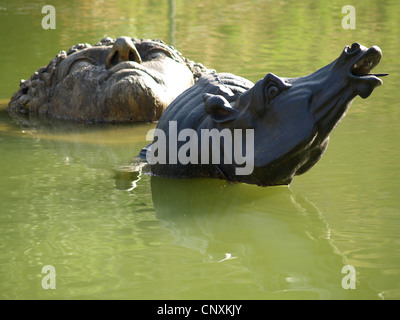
<point>122,80</point>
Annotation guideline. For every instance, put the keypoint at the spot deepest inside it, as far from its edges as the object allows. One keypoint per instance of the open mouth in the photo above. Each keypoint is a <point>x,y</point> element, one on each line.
<point>369,60</point>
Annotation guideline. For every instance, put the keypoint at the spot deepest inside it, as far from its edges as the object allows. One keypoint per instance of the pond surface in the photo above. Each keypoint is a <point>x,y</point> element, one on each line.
<point>111,235</point>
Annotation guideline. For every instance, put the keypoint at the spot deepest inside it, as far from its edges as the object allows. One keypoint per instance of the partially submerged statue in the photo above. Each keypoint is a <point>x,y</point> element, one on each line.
<point>122,80</point>
<point>289,119</point>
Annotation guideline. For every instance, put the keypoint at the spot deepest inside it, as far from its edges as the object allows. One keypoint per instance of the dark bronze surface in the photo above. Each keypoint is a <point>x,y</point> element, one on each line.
<point>291,117</point>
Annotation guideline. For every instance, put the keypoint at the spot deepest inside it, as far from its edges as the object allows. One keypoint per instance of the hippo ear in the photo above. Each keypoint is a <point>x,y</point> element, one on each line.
<point>219,108</point>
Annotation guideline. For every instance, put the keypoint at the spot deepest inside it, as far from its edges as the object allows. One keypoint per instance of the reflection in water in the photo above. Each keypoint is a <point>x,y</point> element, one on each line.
<point>91,144</point>
<point>277,235</point>
<point>273,242</point>
<point>127,177</point>
<point>227,220</point>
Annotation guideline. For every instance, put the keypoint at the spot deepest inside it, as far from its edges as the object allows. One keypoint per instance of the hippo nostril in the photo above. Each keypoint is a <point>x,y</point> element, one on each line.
<point>355,47</point>
<point>122,50</point>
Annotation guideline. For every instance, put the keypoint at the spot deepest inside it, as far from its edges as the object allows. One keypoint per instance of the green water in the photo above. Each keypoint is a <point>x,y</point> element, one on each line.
<point>140,237</point>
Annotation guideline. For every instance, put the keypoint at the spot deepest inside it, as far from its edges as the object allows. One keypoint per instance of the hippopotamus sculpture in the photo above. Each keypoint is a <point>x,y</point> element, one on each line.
<point>289,119</point>
<point>122,80</point>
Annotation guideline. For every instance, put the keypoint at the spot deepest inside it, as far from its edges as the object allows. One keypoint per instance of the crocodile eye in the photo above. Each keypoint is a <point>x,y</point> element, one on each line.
<point>272,92</point>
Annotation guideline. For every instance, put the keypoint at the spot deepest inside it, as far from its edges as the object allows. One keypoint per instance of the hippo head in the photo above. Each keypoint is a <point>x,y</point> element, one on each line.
<point>293,117</point>
<point>118,80</point>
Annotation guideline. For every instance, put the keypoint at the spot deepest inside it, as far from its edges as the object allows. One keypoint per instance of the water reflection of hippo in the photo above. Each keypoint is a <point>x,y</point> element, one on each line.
<point>122,80</point>
<point>266,243</point>
<point>263,243</point>
<point>291,117</point>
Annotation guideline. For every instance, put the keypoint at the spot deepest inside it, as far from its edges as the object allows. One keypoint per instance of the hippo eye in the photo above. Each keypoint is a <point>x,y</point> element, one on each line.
<point>272,92</point>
